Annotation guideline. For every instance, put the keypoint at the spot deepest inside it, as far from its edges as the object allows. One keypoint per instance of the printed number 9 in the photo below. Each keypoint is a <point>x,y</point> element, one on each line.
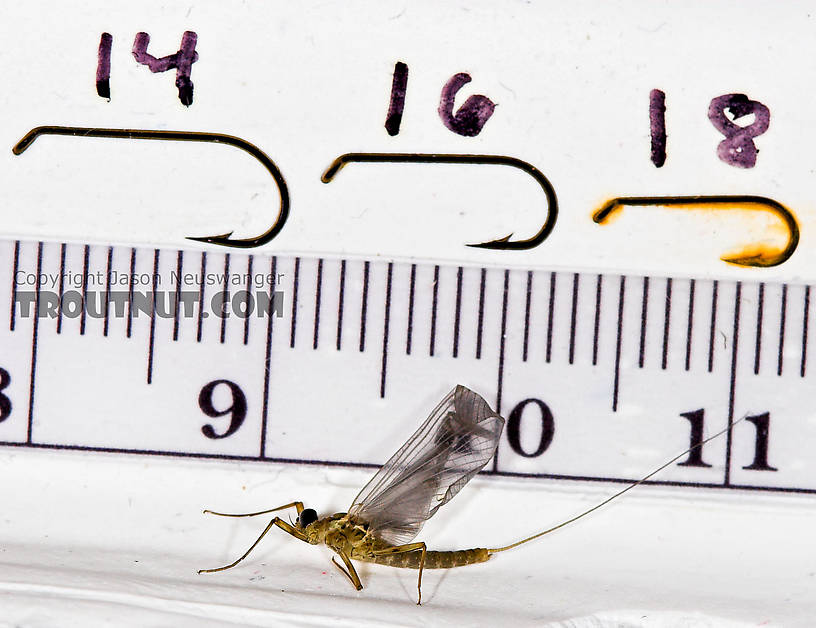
<point>237,410</point>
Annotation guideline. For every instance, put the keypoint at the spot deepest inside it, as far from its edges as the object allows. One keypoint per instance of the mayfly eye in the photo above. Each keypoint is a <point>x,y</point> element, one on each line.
<point>308,516</point>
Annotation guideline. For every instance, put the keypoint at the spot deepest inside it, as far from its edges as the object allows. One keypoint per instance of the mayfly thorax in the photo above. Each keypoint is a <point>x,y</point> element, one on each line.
<point>450,447</point>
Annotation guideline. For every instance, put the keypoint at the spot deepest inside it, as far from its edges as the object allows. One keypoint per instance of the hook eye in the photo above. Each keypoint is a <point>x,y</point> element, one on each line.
<point>491,160</point>
<point>752,254</point>
<point>224,239</point>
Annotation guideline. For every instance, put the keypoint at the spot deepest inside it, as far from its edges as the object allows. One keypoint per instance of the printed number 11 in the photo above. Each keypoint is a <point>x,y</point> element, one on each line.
<point>761,422</point>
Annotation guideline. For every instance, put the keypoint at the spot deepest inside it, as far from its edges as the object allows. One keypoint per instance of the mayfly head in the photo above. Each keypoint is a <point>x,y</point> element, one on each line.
<point>313,531</point>
<point>307,517</point>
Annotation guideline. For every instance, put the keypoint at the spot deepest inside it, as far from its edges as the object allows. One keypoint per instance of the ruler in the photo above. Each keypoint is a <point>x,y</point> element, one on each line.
<point>335,361</point>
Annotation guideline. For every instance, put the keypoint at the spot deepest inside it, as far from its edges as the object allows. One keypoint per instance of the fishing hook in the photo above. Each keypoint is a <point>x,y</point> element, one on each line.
<point>185,136</point>
<point>494,160</point>
<point>760,258</point>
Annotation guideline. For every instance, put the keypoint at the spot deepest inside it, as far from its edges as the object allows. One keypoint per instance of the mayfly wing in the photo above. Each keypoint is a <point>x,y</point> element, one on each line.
<point>449,448</point>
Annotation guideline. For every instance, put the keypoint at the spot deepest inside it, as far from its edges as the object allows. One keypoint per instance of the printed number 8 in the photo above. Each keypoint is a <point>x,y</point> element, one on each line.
<point>5,402</point>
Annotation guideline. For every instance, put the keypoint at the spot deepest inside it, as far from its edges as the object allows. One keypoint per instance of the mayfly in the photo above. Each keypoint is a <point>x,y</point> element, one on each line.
<point>450,447</point>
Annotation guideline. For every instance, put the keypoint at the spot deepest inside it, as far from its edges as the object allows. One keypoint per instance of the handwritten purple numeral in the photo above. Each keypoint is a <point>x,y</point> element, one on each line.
<point>657,125</point>
<point>182,61</point>
<point>103,66</point>
<point>397,104</point>
<point>472,115</point>
<point>738,148</point>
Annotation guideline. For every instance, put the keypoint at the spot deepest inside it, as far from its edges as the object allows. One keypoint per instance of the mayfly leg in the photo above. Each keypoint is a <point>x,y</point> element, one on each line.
<point>297,505</point>
<point>351,574</point>
<point>404,549</point>
<point>277,521</point>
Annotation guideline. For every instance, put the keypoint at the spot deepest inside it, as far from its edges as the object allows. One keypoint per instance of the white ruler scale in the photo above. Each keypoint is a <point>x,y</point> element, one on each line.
<point>601,376</point>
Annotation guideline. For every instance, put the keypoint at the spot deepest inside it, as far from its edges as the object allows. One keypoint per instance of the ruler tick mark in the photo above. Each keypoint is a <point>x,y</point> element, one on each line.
<point>481,314</point>
<point>527,315</point>
<point>616,382</point>
<point>433,310</point>
<point>410,332</point>
<point>295,283</point>
<point>573,317</point>
<point>201,296</point>
<point>106,305</point>
<point>131,279</point>
<point>225,298</point>
<point>270,315</point>
<point>732,381</point>
<point>666,324</point>
<point>550,315</point>
<point>152,339</point>
<point>61,288</point>
<point>502,343</point>
<point>690,327</point>
<point>177,304</point>
<point>644,315</point>
<point>340,300</point>
<point>458,313</point>
<point>318,291</point>
<point>597,327</point>
<point>782,318</point>
<point>386,324</point>
<point>34,338</point>
<point>805,323</point>
<point>364,307</point>
<point>712,331</point>
<point>15,266</point>
<point>247,302</point>
<point>82,315</point>
<point>179,268</point>
<point>758,343</point>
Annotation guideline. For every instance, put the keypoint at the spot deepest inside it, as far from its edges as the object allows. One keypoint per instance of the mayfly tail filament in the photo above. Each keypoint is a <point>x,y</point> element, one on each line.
<point>618,494</point>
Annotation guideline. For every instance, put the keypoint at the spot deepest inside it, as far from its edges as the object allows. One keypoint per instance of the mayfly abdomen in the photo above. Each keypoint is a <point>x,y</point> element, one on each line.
<point>433,560</point>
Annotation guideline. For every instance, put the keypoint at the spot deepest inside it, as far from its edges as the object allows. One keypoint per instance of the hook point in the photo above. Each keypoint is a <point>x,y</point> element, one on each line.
<point>224,239</point>
<point>499,243</point>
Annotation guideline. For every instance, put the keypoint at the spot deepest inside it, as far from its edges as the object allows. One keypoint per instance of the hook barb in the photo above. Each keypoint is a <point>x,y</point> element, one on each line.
<point>505,242</point>
<point>752,257</point>
<point>224,239</point>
